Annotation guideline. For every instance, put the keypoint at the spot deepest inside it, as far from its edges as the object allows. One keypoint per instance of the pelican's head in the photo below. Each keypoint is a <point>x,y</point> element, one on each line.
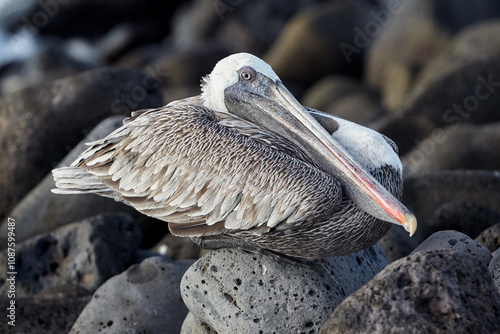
<point>246,86</point>
<point>234,69</point>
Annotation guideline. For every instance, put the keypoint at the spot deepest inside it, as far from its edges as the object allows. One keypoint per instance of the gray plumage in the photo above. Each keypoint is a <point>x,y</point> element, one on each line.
<point>215,176</point>
<point>210,173</point>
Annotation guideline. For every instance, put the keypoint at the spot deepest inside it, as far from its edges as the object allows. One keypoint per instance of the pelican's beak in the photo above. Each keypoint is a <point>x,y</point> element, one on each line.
<point>284,115</point>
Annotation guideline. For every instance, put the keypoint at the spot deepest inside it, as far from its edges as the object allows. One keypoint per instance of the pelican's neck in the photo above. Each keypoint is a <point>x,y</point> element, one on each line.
<point>368,147</point>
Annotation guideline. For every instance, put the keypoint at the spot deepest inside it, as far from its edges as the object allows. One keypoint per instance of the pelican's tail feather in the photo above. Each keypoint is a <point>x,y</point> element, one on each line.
<point>74,180</point>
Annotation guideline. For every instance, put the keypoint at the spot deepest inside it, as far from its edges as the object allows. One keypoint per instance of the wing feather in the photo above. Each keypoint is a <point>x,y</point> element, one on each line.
<point>205,172</point>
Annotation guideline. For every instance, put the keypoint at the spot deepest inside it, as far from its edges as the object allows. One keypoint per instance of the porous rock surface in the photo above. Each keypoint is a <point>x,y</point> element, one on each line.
<point>439,291</point>
<point>255,293</point>
<point>144,299</point>
<point>456,241</point>
<point>490,237</point>
<point>494,268</point>
<point>82,254</point>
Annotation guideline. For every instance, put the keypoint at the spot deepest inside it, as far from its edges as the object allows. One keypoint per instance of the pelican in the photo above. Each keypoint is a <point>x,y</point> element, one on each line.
<point>244,164</point>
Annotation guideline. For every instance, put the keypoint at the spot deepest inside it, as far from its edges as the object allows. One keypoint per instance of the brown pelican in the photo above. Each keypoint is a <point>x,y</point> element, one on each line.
<point>245,164</point>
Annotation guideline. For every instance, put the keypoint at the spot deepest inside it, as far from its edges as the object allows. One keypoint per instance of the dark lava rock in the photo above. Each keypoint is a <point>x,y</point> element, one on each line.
<point>397,243</point>
<point>455,241</point>
<point>46,315</point>
<point>318,41</point>
<point>440,291</point>
<point>490,238</point>
<point>42,211</point>
<point>231,288</point>
<point>144,299</point>
<point>405,23</point>
<point>466,217</point>
<point>426,192</point>
<point>84,254</point>
<point>494,268</point>
<point>422,27</point>
<point>39,124</point>
<point>460,86</point>
<point>464,146</point>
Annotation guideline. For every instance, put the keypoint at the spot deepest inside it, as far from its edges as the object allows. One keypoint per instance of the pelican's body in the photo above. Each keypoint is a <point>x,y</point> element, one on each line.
<point>226,180</point>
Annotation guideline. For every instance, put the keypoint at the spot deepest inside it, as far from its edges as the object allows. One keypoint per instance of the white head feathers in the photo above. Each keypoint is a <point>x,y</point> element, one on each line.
<point>225,74</point>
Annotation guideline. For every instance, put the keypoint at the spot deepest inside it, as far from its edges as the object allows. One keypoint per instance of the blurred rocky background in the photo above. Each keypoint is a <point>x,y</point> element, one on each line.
<point>426,73</point>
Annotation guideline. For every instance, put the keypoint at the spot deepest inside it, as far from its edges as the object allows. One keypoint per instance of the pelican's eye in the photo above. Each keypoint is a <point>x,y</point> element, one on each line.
<point>247,74</point>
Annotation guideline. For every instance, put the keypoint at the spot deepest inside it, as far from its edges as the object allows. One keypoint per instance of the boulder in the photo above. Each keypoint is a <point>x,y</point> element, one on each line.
<point>494,268</point>
<point>231,288</point>
<point>426,192</point>
<point>70,18</point>
<point>464,146</point>
<point>460,86</point>
<point>466,217</point>
<point>241,25</point>
<point>361,108</point>
<point>438,291</point>
<point>344,97</point>
<point>49,62</point>
<point>423,27</point>
<point>40,124</point>
<point>320,41</point>
<point>144,299</point>
<point>457,242</point>
<point>83,254</point>
<point>490,238</point>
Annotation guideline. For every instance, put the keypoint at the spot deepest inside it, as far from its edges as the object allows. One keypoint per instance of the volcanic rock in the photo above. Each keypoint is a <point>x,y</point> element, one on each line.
<point>144,299</point>
<point>423,27</point>
<point>319,41</point>
<point>40,124</point>
<point>490,238</point>
<point>231,288</point>
<point>439,291</point>
<point>464,146</point>
<point>82,254</point>
<point>457,87</point>
<point>455,241</point>
<point>466,217</point>
<point>426,192</point>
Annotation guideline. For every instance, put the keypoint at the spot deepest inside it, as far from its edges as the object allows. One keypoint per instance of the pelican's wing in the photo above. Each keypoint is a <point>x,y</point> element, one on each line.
<point>184,165</point>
